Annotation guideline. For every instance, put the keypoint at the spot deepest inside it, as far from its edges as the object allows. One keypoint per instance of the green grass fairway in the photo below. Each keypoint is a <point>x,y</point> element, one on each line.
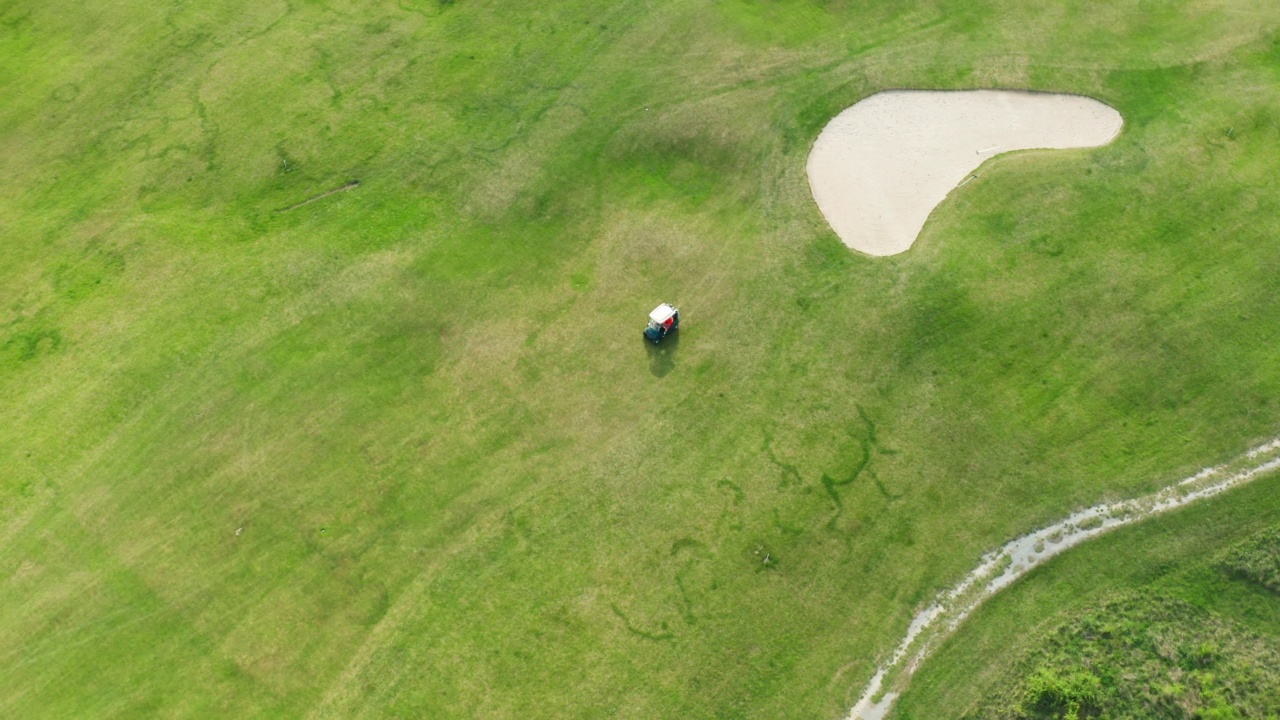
<point>400,451</point>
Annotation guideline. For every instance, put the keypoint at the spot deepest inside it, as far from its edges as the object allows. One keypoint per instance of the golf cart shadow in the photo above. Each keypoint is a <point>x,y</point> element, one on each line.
<point>662,355</point>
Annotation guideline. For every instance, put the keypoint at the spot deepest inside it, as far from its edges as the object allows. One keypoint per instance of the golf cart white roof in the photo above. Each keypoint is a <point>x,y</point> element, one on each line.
<point>662,313</point>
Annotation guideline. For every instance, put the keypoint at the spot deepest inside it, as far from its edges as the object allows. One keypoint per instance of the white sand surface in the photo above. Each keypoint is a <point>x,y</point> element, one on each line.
<point>880,167</point>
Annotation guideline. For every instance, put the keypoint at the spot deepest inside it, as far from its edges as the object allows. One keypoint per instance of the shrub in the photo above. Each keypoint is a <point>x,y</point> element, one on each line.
<point>1141,656</point>
<point>1257,559</point>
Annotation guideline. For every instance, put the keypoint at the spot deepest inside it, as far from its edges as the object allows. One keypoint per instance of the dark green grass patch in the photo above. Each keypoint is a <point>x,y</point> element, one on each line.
<point>1143,656</point>
<point>1257,559</point>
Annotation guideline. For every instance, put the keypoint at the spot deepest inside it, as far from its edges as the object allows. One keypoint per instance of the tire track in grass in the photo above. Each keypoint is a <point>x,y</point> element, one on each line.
<point>349,185</point>
<point>1001,567</point>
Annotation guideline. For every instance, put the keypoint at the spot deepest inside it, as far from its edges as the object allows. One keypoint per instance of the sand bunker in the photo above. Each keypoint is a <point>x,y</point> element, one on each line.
<point>880,167</point>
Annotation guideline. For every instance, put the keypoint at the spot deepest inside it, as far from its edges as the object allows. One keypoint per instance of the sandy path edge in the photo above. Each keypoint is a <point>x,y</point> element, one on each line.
<point>1001,567</point>
<point>880,167</point>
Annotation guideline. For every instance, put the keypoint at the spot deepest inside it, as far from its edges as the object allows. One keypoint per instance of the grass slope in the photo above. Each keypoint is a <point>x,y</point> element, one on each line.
<point>400,452</point>
<point>1145,656</point>
<point>1172,630</point>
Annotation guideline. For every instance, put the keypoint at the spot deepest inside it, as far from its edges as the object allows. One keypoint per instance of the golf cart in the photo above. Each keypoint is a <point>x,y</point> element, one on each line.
<point>663,321</point>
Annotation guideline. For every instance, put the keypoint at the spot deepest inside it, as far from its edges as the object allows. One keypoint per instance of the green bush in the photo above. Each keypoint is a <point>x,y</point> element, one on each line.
<point>1257,559</point>
<point>1070,696</point>
<point>1141,656</point>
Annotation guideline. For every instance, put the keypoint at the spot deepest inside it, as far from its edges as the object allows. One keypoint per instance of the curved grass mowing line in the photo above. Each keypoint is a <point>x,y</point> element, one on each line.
<point>999,568</point>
